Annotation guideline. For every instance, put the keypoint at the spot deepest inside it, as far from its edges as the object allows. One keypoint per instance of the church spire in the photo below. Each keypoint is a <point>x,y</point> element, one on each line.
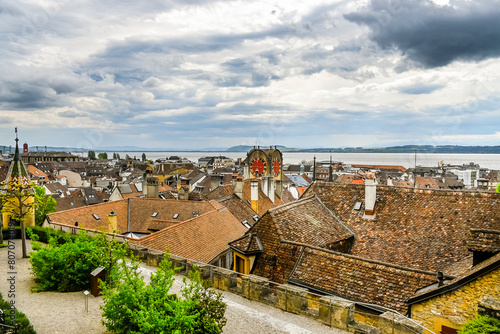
<point>17,171</point>
<point>16,155</point>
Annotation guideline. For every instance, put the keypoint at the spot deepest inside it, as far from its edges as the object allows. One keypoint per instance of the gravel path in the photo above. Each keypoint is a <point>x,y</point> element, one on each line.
<point>61,313</point>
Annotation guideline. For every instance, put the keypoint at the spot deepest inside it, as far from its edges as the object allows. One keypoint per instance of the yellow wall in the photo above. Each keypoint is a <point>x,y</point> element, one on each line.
<point>455,308</point>
<point>249,260</point>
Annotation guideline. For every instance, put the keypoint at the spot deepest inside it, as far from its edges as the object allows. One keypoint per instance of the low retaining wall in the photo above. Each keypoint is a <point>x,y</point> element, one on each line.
<point>331,311</point>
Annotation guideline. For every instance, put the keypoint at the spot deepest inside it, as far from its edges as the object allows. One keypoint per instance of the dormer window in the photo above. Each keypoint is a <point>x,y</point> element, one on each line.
<point>154,214</point>
<point>246,224</point>
<point>96,217</point>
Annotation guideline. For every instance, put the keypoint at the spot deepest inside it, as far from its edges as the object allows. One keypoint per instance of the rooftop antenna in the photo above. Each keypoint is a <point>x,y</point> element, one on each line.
<point>314,168</point>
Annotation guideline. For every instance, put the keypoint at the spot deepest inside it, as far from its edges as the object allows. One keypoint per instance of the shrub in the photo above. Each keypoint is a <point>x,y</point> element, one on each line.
<point>482,325</point>
<point>65,265</point>
<point>22,322</point>
<point>134,307</point>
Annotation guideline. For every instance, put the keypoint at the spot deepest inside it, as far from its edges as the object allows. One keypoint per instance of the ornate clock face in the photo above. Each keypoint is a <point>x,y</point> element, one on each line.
<point>258,166</point>
<point>276,166</point>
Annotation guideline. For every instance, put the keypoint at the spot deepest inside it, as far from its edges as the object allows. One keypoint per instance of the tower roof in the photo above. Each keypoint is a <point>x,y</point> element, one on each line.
<point>17,171</point>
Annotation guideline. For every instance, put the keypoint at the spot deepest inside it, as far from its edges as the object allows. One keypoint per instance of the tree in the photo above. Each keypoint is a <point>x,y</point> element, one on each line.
<point>482,325</point>
<point>144,157</point>
<point>17,200</point>
<point>498,188</point>
<point>91,155</point>
<point>134,307</point>
<point>102,155</point>
<point>43,205</point>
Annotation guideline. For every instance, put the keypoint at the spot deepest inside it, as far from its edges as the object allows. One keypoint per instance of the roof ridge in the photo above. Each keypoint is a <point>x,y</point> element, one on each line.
<point>90,206</point>
<point>363,259</point>
<point>179,224</point>
<point>292,204</point>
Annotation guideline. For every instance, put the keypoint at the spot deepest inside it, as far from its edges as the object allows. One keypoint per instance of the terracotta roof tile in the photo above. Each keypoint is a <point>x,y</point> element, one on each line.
<point>484,241</point>
<point>424,229</point>
<point>358,279</point>
<point>201,238</point>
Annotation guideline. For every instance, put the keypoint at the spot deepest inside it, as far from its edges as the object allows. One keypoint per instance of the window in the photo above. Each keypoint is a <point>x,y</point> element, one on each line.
<point>175,216</point>
<point>196,213</point>
<point>357,206</point>
<point>154,214</point>
<point>96,217</point>
<point>246,224</point>
<point>255,217</point>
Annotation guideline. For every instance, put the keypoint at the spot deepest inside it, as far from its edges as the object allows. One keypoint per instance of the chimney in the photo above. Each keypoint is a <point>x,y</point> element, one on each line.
<point>112,222</point>
<point>184,189</point>
<point>370,196</point>
<point>238,187</point>
<point>215,181</point>
<point>389,181</point>
<point>268,187</point>
<point>254,195</point>
<point>152,187</point>
<point>440,278</point>
<point>279,188</point>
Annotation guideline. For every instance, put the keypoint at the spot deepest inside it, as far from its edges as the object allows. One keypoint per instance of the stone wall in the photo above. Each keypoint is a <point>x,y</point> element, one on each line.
<point>330,310</point>
<point>455,308</point>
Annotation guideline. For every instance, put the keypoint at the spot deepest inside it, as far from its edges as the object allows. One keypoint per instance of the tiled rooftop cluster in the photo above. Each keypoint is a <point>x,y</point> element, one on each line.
<point>431,226</point>
<point>358,279</point>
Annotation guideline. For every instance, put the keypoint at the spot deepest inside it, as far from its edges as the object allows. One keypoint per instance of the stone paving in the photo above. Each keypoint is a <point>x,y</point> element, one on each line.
<point>60,313</point>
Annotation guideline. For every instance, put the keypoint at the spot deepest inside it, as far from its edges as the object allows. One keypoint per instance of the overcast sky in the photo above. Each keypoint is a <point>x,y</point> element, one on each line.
<point>190,74</point>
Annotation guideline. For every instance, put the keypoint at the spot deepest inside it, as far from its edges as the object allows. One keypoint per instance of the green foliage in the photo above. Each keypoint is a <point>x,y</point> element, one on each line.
<point>43,205</point>
<point>144,157</point>
<point>134,307</point>
<point>21,321</point>
<point>91,155</point>
<point>116,156</point>
<point>65,265</point>
<point>482,325</point>
<point>3,245</point>
<point>102,155</point>
<point>498,188</point>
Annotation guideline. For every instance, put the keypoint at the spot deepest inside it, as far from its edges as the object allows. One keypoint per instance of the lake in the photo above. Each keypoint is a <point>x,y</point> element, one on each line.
<point>490,161</point>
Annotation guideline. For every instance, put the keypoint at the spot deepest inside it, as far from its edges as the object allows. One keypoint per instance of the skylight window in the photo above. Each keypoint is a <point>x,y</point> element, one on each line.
<point>196,213</point>
<point>357,206</point>
<point>96,217</point>
<point>246,224</point>
<point>154,214</point>
<point>255,217</point>
<point>175,216</point>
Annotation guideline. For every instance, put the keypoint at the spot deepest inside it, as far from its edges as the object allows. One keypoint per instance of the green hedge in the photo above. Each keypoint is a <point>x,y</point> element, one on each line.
<point>44,234</point>
<point>22,322</point>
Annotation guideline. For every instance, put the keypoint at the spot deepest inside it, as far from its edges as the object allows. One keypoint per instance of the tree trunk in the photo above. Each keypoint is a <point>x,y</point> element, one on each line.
<point>23,237</point>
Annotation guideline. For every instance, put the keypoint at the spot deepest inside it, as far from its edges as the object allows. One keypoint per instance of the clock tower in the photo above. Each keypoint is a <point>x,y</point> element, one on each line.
<point>265,165</point>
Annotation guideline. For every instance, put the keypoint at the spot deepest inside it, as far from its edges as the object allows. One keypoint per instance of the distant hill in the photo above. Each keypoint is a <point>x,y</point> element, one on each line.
<point>246,148</point>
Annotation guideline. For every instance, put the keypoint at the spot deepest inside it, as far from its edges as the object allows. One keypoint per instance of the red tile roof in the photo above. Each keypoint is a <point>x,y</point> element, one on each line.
<point>358,279</point>
<point>424,229</point>
<point>202,238</point>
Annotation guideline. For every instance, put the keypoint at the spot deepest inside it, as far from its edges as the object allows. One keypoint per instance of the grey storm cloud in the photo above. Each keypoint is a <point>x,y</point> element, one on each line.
<point>433,35</point>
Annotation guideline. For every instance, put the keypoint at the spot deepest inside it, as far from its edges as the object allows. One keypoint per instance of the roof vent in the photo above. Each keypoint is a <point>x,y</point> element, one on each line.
<point>175,216</point>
